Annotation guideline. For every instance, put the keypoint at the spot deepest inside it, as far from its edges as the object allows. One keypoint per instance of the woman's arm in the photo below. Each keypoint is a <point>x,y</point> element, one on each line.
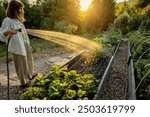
<point>9,32</point>
<point>5,30</point>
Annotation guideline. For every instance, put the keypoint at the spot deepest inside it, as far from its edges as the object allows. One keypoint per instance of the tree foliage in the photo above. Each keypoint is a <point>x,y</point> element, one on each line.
<point>139,12</point>
<point>49,14</point>
<point>2,12</point>
<point>142,3</point>
<point>57,10</point>
<point>99,15</point>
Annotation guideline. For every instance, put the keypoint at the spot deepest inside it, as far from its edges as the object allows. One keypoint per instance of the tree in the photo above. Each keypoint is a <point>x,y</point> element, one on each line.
<point>139,16</point>
<point>57,10</point>
<point>74,10</point>
<point>121,8</point>
<point>142,3</point>
<point>99,15</point>
<point>2,12</point>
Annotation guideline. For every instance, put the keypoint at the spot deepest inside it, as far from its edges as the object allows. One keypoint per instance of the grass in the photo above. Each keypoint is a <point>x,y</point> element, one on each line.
<point>38,44</point>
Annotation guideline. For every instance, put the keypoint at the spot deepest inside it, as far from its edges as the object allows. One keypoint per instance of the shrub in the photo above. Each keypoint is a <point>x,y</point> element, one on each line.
<point>63,84</point>
<point>136,21</point>
<point>121,23</point>
<point>66,27</point>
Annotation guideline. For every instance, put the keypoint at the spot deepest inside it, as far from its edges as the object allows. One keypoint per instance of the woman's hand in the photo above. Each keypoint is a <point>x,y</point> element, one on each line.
<point>10,32</point>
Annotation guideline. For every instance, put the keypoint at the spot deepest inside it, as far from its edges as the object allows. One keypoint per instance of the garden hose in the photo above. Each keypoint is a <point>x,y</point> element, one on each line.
<point>7,67</point>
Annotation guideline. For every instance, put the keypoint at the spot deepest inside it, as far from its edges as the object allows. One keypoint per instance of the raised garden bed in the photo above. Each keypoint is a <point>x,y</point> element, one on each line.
<point>78,80</point>
<point>140,64</point>
<point>115,82</point>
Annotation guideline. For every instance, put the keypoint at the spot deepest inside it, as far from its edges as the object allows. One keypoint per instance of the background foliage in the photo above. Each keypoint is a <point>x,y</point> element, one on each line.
<point>49,14</point>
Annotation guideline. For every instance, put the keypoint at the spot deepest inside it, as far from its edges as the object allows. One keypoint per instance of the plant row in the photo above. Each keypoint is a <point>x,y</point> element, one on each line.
<point>140,49</point>
<point>61,84</point>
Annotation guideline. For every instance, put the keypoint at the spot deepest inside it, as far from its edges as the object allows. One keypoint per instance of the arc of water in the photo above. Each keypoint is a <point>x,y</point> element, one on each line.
<point>75,43</point>
<point>78,41</point>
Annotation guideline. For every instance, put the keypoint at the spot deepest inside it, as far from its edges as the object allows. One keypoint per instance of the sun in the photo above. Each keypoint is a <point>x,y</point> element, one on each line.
<point>85,4</point>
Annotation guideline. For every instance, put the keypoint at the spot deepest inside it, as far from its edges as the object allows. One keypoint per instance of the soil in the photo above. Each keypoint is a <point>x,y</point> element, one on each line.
<point>115,86</point>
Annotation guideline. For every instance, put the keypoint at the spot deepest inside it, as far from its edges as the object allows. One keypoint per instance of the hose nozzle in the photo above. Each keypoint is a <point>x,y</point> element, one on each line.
<point>19,30</point>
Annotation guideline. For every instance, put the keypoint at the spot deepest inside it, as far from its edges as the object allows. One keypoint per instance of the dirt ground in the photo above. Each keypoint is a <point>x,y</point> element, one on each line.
<point>115,87</point>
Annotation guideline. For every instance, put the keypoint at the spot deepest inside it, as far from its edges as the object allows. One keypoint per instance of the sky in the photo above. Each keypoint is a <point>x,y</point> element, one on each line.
<point>85,4</point>
<point>120,1</point>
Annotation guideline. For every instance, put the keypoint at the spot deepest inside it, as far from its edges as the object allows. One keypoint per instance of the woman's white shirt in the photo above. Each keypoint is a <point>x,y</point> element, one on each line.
<point>17,41</point>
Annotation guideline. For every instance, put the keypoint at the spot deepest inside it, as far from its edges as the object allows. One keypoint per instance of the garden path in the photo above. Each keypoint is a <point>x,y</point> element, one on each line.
<point>42,65</point>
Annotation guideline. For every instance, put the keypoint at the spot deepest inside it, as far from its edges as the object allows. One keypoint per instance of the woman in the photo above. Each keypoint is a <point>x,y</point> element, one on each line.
<point>19,44</point>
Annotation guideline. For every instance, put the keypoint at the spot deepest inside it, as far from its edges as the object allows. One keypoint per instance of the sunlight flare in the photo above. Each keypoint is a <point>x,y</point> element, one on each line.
<point>121,1</point>
<point>32,1</point>
<point>85,4</point>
